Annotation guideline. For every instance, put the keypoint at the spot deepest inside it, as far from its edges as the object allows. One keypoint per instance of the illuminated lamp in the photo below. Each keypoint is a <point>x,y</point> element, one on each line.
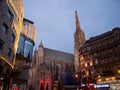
<point>99,76</point>
<point>76,75</point>
<point>118,71</point>
<point>99,80</point>
<point>107,79</point>
<point>113,78</point>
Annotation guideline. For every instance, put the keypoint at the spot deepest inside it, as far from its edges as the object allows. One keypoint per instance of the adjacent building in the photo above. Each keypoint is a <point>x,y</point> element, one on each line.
<point>11,18</point>
<point>100,59</point>
<point>27,39</point>
<point>24,54</point>
<point>48,68</point>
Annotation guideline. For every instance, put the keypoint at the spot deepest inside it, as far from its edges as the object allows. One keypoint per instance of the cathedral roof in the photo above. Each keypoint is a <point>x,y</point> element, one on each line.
<point>59,55</point>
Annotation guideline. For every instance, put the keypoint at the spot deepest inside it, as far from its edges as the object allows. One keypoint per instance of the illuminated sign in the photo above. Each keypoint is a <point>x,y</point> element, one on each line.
<point>91,84</point>
<point>101,85</point>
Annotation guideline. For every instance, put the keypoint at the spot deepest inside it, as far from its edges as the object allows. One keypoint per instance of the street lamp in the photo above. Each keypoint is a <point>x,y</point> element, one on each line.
<point>59,86</point>
<point>96,80</point>
<point>77,77</point>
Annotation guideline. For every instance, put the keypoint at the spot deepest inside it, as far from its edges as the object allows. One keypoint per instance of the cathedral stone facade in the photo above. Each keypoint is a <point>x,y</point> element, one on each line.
<point>48,67</point>
<point>79,39</point>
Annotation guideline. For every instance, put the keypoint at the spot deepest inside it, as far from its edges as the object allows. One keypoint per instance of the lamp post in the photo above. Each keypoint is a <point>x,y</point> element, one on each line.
<point>77,77</point>
<point>97,78</point>
<point>59,86</point>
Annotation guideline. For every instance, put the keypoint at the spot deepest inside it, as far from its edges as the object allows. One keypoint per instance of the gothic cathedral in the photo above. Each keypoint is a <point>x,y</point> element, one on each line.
<point>79,39</point>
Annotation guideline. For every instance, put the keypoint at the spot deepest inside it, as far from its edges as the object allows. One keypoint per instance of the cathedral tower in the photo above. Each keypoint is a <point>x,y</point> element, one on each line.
<point>79,39</point>
<point>40,55</point>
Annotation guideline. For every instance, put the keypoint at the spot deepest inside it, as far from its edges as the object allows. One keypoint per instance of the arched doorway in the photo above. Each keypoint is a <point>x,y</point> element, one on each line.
<point>41,86</point>
<point>47,86</point>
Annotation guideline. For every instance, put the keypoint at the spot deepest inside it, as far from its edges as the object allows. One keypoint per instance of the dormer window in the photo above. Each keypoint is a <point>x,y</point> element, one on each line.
<point>26,23</point>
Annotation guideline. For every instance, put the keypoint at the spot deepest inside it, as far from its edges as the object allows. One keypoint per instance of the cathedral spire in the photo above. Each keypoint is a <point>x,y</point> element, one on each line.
<point>79,39</point>
<point>35,52</point>
<point>41,45</point>
<point>77,22</point>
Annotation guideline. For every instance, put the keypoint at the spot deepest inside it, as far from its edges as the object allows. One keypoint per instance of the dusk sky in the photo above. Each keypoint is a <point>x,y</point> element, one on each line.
<point>55,20</point>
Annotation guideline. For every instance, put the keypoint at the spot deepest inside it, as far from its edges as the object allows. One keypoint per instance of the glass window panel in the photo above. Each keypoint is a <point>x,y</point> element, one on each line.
<point>9,15</point>
<point>26,23</point>
<point>28,49</point>
<point>4,28</point>
<point>21,45</point>
<point>1,44</point>
<point>13,38</point>
<point>9,52</point>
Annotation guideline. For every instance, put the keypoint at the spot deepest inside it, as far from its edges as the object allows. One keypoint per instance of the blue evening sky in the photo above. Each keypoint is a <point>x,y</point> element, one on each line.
<point>55,20</point>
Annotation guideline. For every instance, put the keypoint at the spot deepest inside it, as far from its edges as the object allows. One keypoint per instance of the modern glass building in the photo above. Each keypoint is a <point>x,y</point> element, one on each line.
<point>27,39</point>
<point>25,47</point>
<point>24,54</point>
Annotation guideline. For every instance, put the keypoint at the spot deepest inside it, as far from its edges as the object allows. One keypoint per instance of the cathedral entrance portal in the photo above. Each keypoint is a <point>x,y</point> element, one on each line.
<point>47,86</point>
<point>41,87</point>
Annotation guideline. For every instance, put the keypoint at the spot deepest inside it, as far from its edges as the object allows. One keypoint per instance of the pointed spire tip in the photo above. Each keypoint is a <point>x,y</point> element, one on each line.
<point>76,11</point>
<point>41,42</point>
<point>41,45</point>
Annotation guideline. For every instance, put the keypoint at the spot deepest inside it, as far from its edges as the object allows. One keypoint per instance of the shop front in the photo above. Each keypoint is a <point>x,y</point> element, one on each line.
<point>102,86</point>
<point>113,84</point>
<point>1,82</point>
<point>5,75</point>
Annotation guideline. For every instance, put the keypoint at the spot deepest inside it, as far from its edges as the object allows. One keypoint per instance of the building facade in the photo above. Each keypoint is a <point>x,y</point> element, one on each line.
<point>100,59</point>
<point>27,39</point>
<point>48,68</point>
<point>11,17</point>
<point>79,39</point>
<point>24,54</point>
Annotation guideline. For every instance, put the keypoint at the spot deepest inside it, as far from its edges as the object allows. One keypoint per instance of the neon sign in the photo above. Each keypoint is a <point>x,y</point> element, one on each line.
<point>101,85</point>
